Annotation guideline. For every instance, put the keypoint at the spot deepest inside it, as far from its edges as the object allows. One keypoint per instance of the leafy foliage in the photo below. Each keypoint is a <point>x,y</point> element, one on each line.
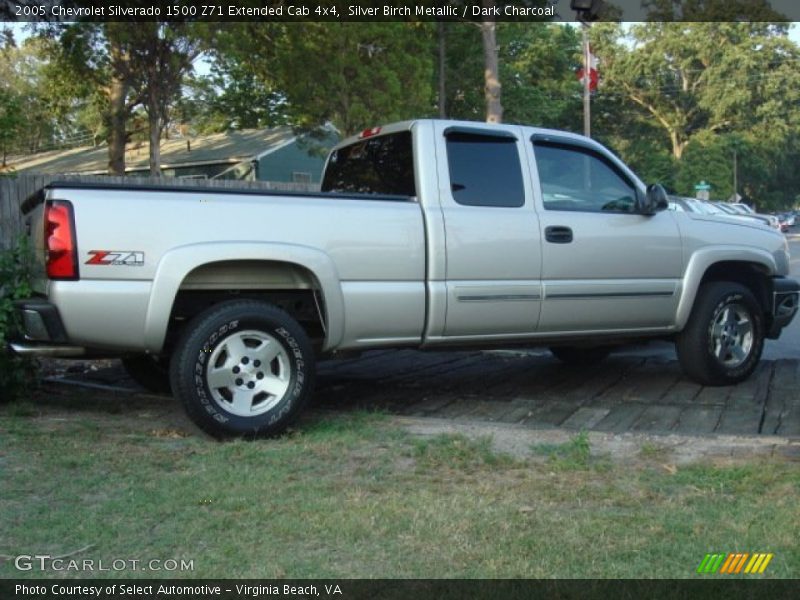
<point>16,373</point>
<point>702,91</point>
<point>11,121</point>
<point>677,100</point>
<point>538,72</point>
<point>28,118</point>
<point>353,75</point>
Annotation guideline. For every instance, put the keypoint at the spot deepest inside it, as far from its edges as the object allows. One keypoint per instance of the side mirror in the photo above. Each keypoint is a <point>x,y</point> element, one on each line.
<point>654,200</point>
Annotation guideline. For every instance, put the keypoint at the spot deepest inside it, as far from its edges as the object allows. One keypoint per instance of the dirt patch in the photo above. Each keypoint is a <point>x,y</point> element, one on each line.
<point>674,449</point>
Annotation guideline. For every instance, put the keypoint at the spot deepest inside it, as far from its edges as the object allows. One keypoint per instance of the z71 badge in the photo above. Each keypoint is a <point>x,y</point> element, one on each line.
<point>127,258</point>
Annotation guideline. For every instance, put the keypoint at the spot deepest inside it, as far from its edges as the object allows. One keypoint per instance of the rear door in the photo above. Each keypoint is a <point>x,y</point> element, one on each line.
<point>492,232</point>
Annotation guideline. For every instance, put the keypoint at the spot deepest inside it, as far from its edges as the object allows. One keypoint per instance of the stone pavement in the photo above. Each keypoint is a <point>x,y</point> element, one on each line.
<point>531,389</point>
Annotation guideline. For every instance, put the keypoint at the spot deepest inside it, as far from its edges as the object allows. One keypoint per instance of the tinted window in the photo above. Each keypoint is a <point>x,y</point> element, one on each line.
<point>484,170</point>
<point>579,179</point>
<point>379,165</point>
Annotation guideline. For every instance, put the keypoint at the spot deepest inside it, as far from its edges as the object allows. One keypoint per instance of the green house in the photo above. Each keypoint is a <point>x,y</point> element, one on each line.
<point>277,155</point>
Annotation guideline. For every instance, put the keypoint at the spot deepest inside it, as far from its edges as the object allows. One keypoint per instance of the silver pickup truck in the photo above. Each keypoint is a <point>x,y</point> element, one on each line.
<point>426,234</point>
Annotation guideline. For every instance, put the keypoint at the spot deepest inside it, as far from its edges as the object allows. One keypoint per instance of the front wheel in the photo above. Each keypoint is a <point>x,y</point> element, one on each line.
<point>724,337</point>
<point>243,368</point>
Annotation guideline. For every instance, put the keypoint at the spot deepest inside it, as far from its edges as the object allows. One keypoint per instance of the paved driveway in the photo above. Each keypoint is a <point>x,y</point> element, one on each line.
<point>624,393</point>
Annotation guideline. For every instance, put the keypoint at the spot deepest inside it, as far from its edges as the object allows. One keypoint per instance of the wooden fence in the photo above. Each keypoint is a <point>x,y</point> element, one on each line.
<point>15,190</point>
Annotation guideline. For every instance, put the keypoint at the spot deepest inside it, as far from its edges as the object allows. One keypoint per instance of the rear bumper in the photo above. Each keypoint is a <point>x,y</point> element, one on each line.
<point>785,302</point>
<point>40,331</point>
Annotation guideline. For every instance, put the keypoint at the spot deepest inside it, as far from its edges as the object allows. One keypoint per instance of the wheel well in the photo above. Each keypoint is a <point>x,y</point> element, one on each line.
<point>288,286</point>
<point>753,276</point>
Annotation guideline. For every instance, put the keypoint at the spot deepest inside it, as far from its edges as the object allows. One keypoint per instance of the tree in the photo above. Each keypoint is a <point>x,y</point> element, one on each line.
<point>162,54</point>
<point>97,60</point>
<point>352,75</point>
<point>11,122</point>
<point>230,97</point>
<point>693,77</point>
<point>126,67</point>
<point>374,72</point>
<point>464,79</point>
<point>29,98</point>
<point>697,91</point>
<point>492,63</point>
<point>491,69</point>
<point>538,65</point>
<point>238,92</point>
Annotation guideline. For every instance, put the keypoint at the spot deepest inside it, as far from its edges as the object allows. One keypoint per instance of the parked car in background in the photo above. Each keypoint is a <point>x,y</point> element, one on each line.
<point>783,220</point>
<point>743,208</point>
<point>704,207</point>
<point>770,220</point>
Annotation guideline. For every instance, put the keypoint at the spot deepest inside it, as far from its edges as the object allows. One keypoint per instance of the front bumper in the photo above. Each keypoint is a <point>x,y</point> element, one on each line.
<point>40,331</point>
<point>785,301</point>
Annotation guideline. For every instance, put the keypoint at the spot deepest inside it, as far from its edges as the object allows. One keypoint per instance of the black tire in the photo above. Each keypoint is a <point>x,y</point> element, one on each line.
<point>724,337</point>
<point>243,368</point>
<point>150,372</point>
<point>581,356</point>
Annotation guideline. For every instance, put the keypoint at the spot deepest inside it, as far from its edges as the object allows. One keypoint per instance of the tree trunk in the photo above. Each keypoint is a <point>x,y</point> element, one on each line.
<point>117,104</point>
<point>678,145</point>
<point>155,142</point>
<point>494,108</point>
<point>117,126</point>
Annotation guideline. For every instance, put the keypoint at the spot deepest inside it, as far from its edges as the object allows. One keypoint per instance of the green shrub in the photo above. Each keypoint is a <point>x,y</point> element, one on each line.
<point>16,372</point>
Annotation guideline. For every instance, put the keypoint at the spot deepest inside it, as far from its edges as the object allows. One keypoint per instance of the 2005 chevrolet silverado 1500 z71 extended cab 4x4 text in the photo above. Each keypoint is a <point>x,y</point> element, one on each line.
<point>426,234</point>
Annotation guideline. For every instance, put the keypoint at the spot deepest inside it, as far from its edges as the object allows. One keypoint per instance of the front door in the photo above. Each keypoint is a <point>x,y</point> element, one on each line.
<point>605,267</point>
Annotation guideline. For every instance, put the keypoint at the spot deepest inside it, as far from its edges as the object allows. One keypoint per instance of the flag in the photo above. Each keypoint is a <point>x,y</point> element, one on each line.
<point>594,76</point>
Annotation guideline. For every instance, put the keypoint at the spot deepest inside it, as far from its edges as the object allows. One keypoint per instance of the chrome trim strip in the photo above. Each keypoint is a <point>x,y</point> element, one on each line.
<point>610,295</point>
<point>499,297</point>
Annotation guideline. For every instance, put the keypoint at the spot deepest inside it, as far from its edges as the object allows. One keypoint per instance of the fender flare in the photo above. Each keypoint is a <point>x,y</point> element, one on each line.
<point>177,263</point>
<point>705,258</point>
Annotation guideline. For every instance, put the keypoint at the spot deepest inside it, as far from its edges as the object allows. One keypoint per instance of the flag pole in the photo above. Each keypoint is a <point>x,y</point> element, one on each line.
<point>587,82</point>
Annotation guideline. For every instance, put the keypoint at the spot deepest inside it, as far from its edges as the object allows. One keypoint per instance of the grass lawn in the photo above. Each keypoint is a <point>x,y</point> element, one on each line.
<point>356,496</point>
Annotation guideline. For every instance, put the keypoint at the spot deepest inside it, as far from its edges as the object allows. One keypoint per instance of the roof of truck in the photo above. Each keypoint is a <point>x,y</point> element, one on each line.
<point>472,125</point>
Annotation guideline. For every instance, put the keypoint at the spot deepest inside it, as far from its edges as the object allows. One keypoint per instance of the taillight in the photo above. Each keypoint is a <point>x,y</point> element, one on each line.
<point>60,242</point>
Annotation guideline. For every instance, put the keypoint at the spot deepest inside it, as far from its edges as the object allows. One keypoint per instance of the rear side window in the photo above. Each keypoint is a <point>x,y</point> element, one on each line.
<point>381,165</point>
<point>484,170</point>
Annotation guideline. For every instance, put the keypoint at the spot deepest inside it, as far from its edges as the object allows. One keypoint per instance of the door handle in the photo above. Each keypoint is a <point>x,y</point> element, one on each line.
<point>558,234</point>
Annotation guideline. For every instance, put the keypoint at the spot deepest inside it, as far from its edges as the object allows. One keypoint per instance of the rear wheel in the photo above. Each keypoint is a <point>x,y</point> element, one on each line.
<point>579,355</point>
<point>724,337</point>
<point>243,368</point>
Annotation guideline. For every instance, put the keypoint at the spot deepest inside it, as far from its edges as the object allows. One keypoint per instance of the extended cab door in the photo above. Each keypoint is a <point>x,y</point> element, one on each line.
<point>604,266</point>
<point>493,252</point>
